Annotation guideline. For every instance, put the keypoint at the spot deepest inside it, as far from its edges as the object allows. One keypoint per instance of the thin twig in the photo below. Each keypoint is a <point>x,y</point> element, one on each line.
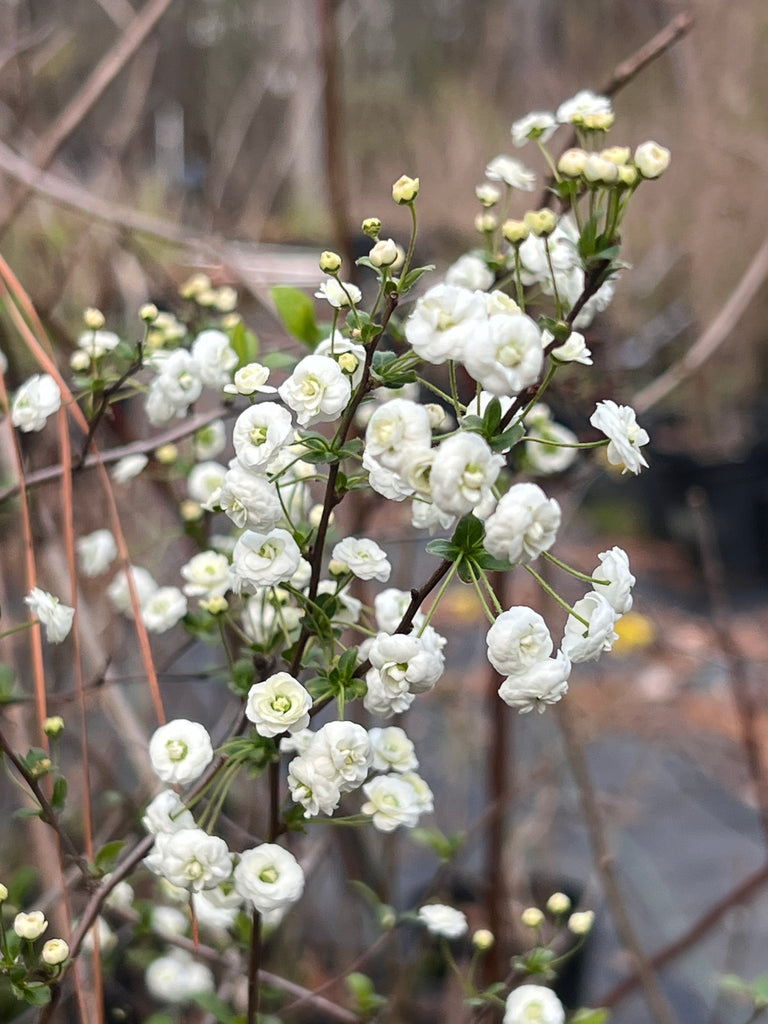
<point>604,864</point>
<point>722,625</point>
<point>73,114</point>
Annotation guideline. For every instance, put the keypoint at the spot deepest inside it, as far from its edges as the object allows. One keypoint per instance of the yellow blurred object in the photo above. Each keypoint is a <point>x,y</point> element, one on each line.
<point>635,631</point>
<point>462,604</point>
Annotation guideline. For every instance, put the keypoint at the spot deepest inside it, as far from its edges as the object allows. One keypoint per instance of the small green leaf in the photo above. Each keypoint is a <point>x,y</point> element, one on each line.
<point>297,311</point>
<point>223,1013</point>
<point>410,279</point>
<point>243,675</point>
<point>443,549</point>
<point>468,535</point>
<point>245,343</point>
<point>278,360</point>
<point>37,993</point>
<point>59,795</point>
<point>107,855</point>
<point>587,1016</point>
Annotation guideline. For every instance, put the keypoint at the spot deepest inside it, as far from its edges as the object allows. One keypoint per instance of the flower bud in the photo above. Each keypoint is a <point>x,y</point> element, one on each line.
<point>436,414</point>
<point>194,285</point>
<point>651,159</point>
<point>30,926</point>
<point>488,194</point>
<point>515,231</point>
<point>330,262</point>
<point>3,893</point>
<point>486,222</point>
<point>540,222</point>
<point>53,726</point>
<point>405,189</point>
<point>571,163</point>
<point>316,514</point>
<point>597,170</point>
<point>384,253</point>
<point>601,121</point>
<point>225,298</point>
<point>558,903</point>
<point>167,454</point>
<point>191,510</point>
<point>148,312</point>
<point>532,917</point>
<point>55,952</point>
<point>581,922</point>
<point>372,227</point>
<point>348,362</point>
<point>41,767</point>
<point>483,939</point>
<point>616,154</point>
<point>206,297</point>
<point>79,361</point>
<point>214,605</point>
<point>230,321</point>
<point>93,319</point>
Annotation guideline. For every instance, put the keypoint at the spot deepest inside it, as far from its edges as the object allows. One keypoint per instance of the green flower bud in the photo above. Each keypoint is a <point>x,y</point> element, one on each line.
<point>53,726</point>
<point>515,231</point>
<point>541,222</point>
<point>532,917</point>
<point>330,262</point>
<point>372,227</point>
<point>405,189</point>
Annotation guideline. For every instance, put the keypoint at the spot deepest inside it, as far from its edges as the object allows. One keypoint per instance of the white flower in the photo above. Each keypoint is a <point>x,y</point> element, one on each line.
<point>30,926</point>
<point>249,499</point>
<point>386,482</point>
<point>312,788</point>
<point>270,877</point>
<point>470,271</point>
<point>545,682</point>
<point>552,447</point>
<point>119,592</point>
<point>587,643</point>
<point>180,751</point>
<point>190,858</point>
<point>215,358</point>
<point>207,575</point>
<point>96,343</point>
<point>37,399</point>
<point>463,473</point>
<point>524,524</point>
<point>278,704</point>
<point>517,640</point>
<point>445,321</point>
<point>508,357</point>
<point>128,467</point>
<point>95,552</point>
<point>338,294</point>
<point>391,802</point>
<point>425,799</point>
<point>363,558</point>
<point>54,952</point>
<point>163,609</point>
<point>216,909</point>
<point>348,354</point>
<point>175,388</point>
<point>204,480</point>
<point>574,350</point>
<point>442,920</point>
<point>209,440</point>
<point>167,813</point>
<point>389,607</point>
<point>341,751</point>
<point>651,159</point>
<point>168,922</point>
<point>107,938</point>
<point>392,750</point>
<point>264,559</point>
<point>512,172</point>
<point>626,436</point>
<point>176,977</point>
<point>259,433</point>
<point>54,616</point>
<point>407,662</point>
<point>384,253</point>
<point>539,124</point>
<point>533,1004</point>
<point>250,380</point>
<point>395,429</point>
<point>584,104</point>
<point>614,569</point>
<point>317,390</point>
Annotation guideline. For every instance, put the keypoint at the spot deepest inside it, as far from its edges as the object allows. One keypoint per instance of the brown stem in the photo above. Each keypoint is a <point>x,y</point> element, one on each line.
<point>254,961</point>
<point>605,866</point>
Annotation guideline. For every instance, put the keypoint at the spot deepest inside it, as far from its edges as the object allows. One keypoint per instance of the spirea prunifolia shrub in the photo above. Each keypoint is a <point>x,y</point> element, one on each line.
<point>375,403</point>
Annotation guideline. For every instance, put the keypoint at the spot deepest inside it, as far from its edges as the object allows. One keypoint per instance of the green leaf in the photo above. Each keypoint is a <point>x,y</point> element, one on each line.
<point>297,311</point>
<point>508,439</point>
<point>59,795</point>
<point>443,549</point>
<point>492,417</point>
<point>468,535</point>
<point>410,279</point>
<point>37,993</point>
<point>243,675</point>
<point>245,343</point>
<point>278,360</point>
<point>587,1016</point>
<point>108,854</point>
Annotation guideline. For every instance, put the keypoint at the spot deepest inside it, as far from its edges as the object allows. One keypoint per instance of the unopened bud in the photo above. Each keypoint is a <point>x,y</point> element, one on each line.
<point>330,262</point>
<point>166,454</point>
<point>558,903</point>
<point>532,917</point>
<point>483,939</point>
<point>581,922</point>
<point>405,189</point>
<point>384,253</point>
<point>215,605</point>
<point>515,231</point>
<point>55,952</point>
<point>191,511</point>
<point>53,726</point>
<point>148,312</point>
<point>348,362</point>
<point>79,361</point>
<point>93,319</point>
<point>372,227</point>
<point>488,194</point>
<point>194,285</point>
<point>571,163</point>
<point>486,222</point>
<point>651,159</point>
<point>541,222</point>
<point>600,171</point>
